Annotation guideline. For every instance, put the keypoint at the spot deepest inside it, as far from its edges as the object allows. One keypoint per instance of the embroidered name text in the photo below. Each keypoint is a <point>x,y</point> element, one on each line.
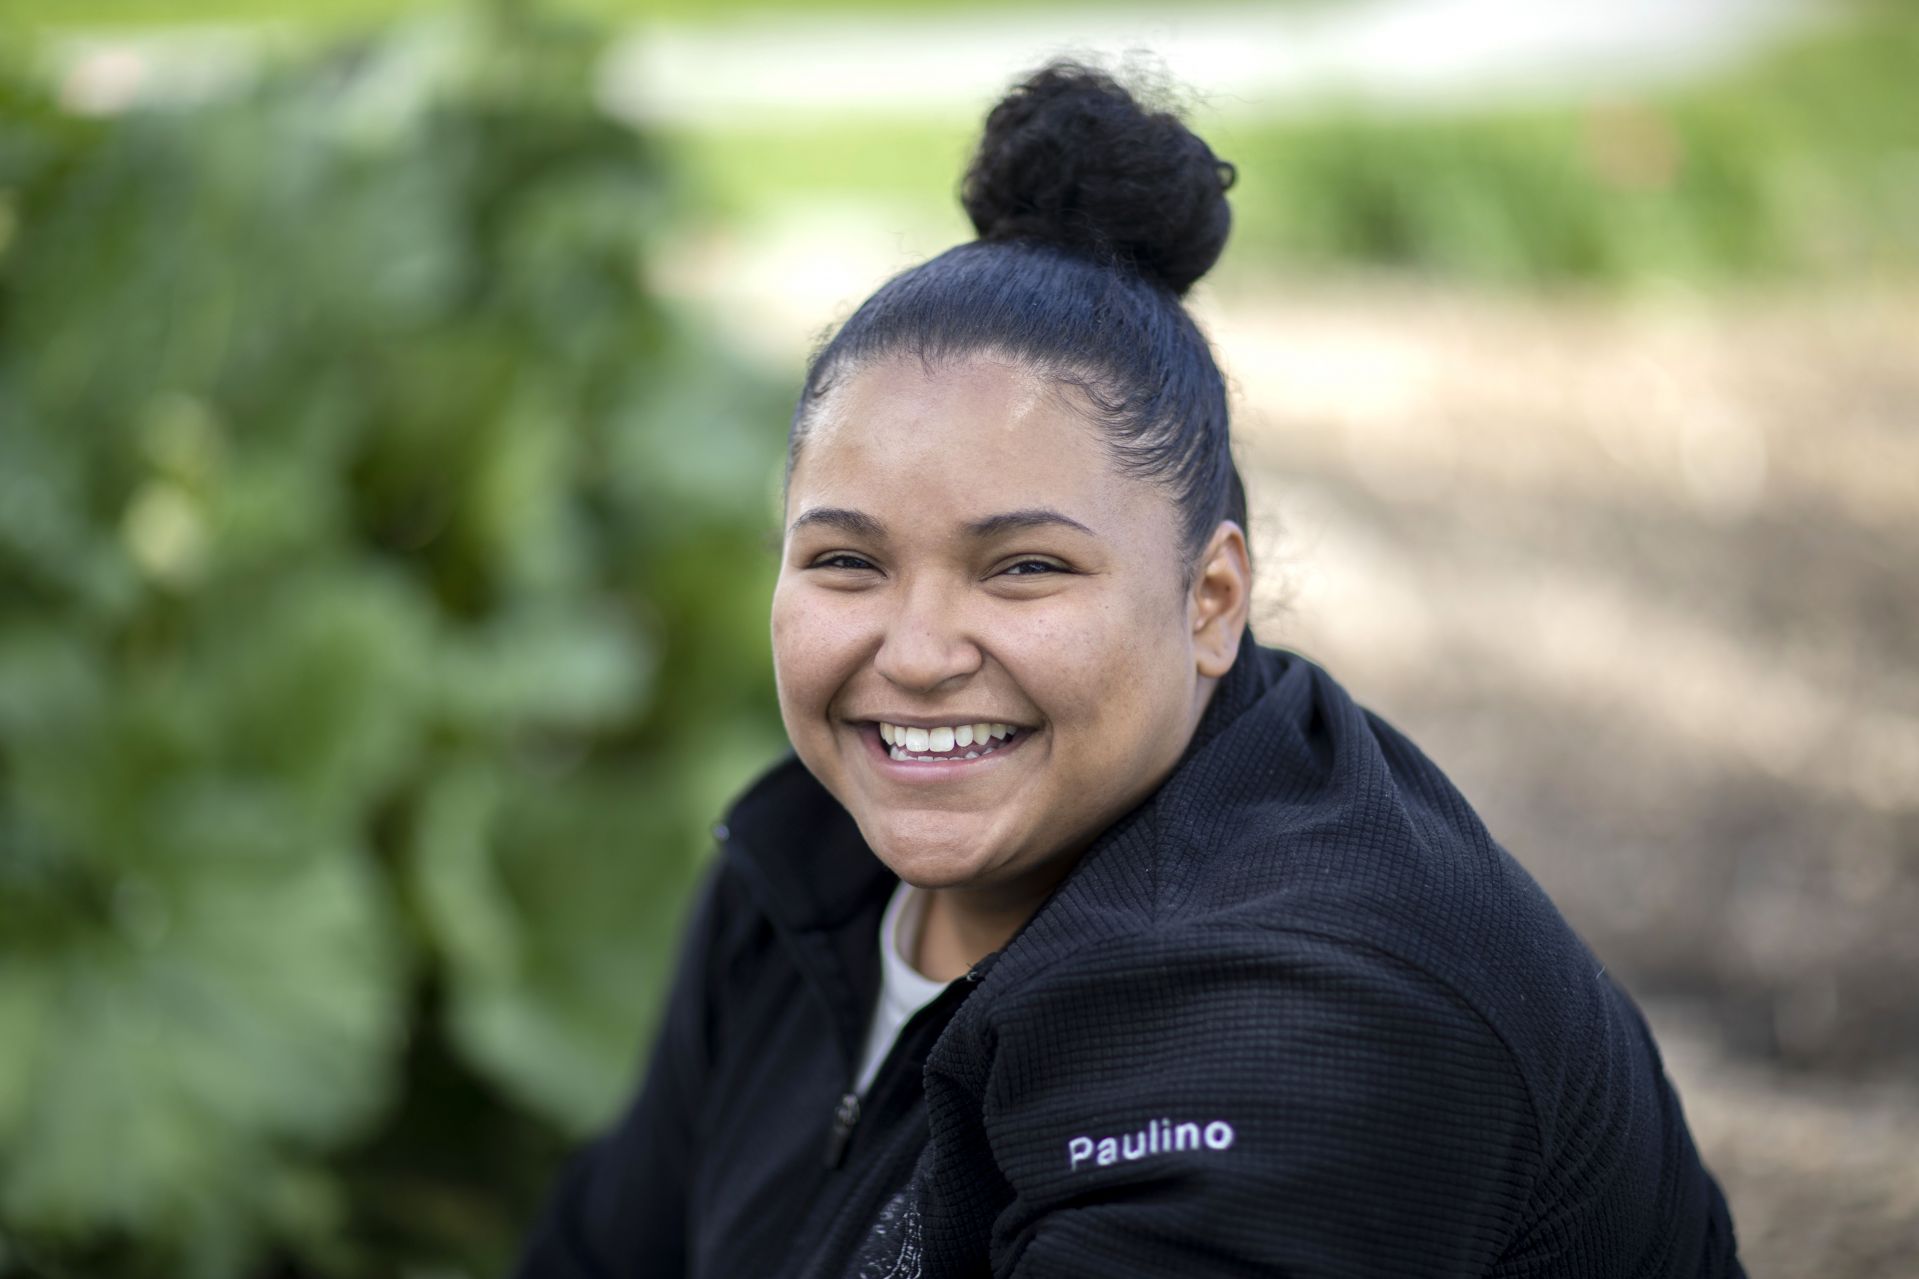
<point>1158,1137</point>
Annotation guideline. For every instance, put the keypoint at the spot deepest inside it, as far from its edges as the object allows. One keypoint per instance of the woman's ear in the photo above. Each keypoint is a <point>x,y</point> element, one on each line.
<point>1221,599</point>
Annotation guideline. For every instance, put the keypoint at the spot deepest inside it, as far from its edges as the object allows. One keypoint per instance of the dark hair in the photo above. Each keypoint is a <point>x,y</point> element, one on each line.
<point>1095,216</point>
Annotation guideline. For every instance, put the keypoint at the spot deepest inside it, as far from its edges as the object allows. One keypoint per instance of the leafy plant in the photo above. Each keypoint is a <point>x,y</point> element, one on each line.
<point>381,624</point>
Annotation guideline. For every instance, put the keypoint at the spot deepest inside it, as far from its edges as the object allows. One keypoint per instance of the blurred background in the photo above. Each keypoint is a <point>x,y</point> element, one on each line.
<point>391,407</point>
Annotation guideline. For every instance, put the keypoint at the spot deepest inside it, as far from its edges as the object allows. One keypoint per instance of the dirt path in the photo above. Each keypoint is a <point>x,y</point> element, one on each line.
<point>1644,578</point>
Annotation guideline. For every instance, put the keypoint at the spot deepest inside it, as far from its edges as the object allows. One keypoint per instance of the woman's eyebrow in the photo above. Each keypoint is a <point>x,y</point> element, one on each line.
<point>1032,517</point>
<point>858,523</point>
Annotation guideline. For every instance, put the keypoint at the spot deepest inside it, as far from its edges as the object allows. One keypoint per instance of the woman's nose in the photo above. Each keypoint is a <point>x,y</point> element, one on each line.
<point>925,643</point>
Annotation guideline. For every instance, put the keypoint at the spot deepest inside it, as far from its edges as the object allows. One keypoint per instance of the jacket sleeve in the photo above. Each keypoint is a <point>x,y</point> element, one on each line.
<point>619,1207</point>
<point>1256,1103</point>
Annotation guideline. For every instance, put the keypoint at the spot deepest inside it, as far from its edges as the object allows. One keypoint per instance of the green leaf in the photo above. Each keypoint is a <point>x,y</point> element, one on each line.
<point>167,1072</point>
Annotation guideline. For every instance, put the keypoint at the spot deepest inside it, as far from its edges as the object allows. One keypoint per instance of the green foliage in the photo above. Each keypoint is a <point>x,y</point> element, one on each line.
<point>1802,163</point>
<point>338,15</point>
<point>381,624</point>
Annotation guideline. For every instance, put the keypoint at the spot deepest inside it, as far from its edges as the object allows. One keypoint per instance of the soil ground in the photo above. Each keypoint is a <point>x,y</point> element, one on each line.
<point>1643,577</point>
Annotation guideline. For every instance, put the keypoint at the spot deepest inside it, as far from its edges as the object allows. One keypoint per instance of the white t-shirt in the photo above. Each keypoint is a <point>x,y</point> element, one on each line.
<point>903,990</point>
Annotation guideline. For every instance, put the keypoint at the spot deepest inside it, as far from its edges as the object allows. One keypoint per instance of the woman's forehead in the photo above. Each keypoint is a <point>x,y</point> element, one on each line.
<point>986,387</point>
<point>979,418</point>
<point>940,449</point>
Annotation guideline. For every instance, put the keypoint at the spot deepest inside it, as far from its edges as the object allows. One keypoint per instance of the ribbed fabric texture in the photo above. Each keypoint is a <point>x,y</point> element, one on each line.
<point>1296,1015</point>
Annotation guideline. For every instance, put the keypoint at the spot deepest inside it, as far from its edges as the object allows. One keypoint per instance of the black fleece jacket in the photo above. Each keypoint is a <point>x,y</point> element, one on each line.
<point>1295,1015</point>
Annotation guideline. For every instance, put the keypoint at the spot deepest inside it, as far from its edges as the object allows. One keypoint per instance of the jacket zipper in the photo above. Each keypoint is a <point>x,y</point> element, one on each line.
<point>847,1110</point>
<point>846,1116</point>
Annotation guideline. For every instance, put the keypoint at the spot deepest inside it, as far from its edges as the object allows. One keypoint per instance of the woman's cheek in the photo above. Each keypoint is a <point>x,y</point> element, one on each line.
<point>1057,658</point>
<point>815,643</point>
<point>796,657</point>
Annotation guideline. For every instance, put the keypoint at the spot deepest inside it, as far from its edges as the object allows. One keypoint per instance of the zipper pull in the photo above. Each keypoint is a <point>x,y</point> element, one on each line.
<point>845,1117</point>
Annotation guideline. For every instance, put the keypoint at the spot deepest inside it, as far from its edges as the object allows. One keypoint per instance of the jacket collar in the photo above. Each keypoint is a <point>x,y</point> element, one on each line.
<point>1252,673</point>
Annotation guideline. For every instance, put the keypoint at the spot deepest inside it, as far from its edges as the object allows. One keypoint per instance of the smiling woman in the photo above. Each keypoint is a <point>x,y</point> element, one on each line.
<point>1083,935</point>
<point>1000,570</point>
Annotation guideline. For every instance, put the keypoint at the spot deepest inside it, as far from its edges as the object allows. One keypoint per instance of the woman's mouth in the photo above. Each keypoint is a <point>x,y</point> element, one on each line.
<point>945,744</point>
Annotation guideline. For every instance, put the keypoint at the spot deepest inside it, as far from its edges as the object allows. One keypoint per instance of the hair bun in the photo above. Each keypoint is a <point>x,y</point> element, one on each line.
<point>1069,157</point>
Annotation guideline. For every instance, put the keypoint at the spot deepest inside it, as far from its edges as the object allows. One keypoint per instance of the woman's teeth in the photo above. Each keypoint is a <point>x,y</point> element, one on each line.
<point>945,743</point>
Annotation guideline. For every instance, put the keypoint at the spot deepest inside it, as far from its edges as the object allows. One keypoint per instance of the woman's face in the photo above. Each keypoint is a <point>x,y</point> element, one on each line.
<point>960,550</point>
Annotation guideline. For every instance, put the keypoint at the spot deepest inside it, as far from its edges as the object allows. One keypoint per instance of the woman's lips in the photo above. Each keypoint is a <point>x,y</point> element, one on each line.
<point>951,764</point>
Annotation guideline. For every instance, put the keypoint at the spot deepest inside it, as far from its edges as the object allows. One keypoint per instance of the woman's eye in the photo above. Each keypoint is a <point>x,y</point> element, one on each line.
<point>841,560</point>
<point>1032,568</point>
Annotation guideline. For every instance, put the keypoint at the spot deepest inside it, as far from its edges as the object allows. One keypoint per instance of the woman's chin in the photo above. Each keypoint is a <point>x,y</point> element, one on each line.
<point>934,854</point>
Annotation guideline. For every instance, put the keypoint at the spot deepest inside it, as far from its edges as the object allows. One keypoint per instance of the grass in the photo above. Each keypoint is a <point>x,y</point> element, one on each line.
<point>1805,162</point>
<point>324,16</point>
